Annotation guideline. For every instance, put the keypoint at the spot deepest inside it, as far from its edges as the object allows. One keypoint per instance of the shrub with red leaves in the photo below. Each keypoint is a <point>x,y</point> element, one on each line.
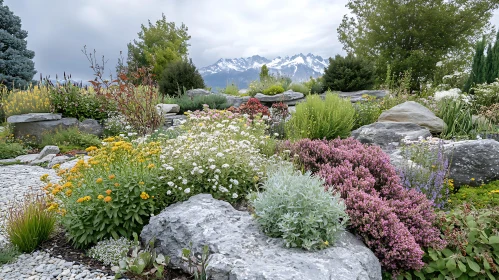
<point>252,108</point>
<point>395,223</point>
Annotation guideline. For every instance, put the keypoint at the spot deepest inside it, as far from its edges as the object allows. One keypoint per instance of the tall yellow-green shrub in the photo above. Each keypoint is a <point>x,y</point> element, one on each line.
<point>33,100</point>
<point>315,118</point>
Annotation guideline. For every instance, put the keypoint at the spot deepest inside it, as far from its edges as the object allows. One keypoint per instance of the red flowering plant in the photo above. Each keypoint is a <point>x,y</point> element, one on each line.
<point>251,108</point>
<point>394,222</point>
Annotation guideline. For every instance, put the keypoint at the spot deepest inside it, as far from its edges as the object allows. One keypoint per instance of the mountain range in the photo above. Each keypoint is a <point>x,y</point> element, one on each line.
<point>241,71</point>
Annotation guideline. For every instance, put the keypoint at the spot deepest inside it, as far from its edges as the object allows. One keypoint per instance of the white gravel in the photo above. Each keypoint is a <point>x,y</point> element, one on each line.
<point>15,180</point>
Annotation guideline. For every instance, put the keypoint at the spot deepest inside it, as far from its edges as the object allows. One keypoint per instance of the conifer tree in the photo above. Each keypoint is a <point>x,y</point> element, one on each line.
<point>16,65</point>
<point>477,75</point>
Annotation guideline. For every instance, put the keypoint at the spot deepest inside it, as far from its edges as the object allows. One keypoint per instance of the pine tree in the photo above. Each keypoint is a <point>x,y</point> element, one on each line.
<point>16,65</point>
<point>477,75</point>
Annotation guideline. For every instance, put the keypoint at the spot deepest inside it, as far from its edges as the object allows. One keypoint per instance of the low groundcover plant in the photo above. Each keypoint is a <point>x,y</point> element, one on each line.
<point>296,207</point>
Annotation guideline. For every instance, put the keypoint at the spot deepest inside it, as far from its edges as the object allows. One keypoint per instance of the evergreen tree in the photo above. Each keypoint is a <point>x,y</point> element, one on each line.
<point>495,58</point>
<point>489,65</point>
<point>477,75</point>
<point>264,73</point>
<point>16,65</point>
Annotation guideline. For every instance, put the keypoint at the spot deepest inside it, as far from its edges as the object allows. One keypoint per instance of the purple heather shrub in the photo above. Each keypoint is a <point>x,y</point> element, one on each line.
<point>394,222</point>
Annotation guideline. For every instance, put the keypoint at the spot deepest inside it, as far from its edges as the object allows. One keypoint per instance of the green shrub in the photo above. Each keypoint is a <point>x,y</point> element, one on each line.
<point>484,196</point>
<point>366,112</point>
<point>179,75</point>
<point>273,90</point>
<point>458,117</point>
<point>316,86</point>
<point>70,139</point>
<point>113,194</point>
<point>296,207</point>
<point>11,150</point>
<point>270,81</point>
<point>75,102</point>
<point>231,89</point>
<point>8,253</point>
<point>187,103</point>
<point>318,119</point>
<point>472,250</point>
<point>29,223</point>
<point>348,74</point>
<point>299,88</point>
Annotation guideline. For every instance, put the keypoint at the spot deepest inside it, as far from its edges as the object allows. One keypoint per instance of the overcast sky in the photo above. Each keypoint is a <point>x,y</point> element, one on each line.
<point>58,29</point>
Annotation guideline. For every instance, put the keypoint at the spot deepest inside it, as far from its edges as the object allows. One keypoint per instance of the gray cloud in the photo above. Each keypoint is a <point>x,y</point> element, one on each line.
<point>58,29</point>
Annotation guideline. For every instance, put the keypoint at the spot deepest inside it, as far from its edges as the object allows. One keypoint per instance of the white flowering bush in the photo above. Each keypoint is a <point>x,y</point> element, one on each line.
<point>110,251</point>
<point>453,93</point>
<point>296,207</point>
<point>487,94</point>
<point>116,124</point>
<point>219,154</point>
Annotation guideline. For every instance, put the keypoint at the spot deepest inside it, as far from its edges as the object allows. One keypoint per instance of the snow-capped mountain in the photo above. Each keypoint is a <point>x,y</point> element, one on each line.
<point>242,71</point>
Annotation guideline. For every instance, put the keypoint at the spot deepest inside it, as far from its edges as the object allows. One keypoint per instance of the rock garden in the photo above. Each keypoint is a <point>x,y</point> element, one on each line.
<point>359,185</point>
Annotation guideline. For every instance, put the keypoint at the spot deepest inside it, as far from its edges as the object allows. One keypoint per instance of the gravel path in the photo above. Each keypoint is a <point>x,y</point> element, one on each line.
<point>15,180</point>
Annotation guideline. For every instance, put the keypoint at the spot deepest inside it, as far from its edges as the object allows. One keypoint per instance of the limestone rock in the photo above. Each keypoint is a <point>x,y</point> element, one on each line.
<point>356,96</point>
<point>385,133</point>
<point>45,159</point>
<point>37,129</point>
<point>167,108</point>
<point>196,92</point>
<point>240,250</point>
<point>58,160</point>
<point>33,117</point>
<point>27,158</point>
<point>477,159</point>
<point>413,112</point>
<point>281,97</point>
<point>47,150</point>
<point>91,126</point>
<point>236,101</point>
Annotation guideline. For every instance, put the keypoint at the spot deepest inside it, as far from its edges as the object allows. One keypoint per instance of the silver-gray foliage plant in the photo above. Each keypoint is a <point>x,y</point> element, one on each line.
<point>110,251</point>
<point>296,207</point>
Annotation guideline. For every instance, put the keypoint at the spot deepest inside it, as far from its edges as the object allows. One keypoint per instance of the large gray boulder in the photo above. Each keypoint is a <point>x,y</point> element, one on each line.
<point>356,96</point>
<point>285,97</point>
<point>91,126</point>
<point>413,112</point>
<point>196,92</point>
<point>33,117</point>
<point>36,130</point>
<point>239,250</point>
<point>236,101</point>
<point>473,162</point>
<point>385,133</point>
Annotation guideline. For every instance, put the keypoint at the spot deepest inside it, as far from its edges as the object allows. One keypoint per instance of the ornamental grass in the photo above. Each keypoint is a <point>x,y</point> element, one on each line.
<point>29,223</point>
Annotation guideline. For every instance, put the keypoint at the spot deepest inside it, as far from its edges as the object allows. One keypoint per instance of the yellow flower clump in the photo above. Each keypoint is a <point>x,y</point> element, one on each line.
<point>33,100</point>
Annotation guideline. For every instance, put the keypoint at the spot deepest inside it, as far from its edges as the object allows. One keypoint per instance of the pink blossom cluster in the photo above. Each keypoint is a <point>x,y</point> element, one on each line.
<point>395,223</point>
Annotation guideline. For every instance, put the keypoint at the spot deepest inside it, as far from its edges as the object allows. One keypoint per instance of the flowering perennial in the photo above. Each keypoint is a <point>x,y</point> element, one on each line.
<point>393,221</point>
<point>218,155</point>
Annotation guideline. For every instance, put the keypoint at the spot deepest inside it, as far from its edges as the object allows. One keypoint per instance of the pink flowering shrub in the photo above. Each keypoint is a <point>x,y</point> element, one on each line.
<point>394,222</point>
